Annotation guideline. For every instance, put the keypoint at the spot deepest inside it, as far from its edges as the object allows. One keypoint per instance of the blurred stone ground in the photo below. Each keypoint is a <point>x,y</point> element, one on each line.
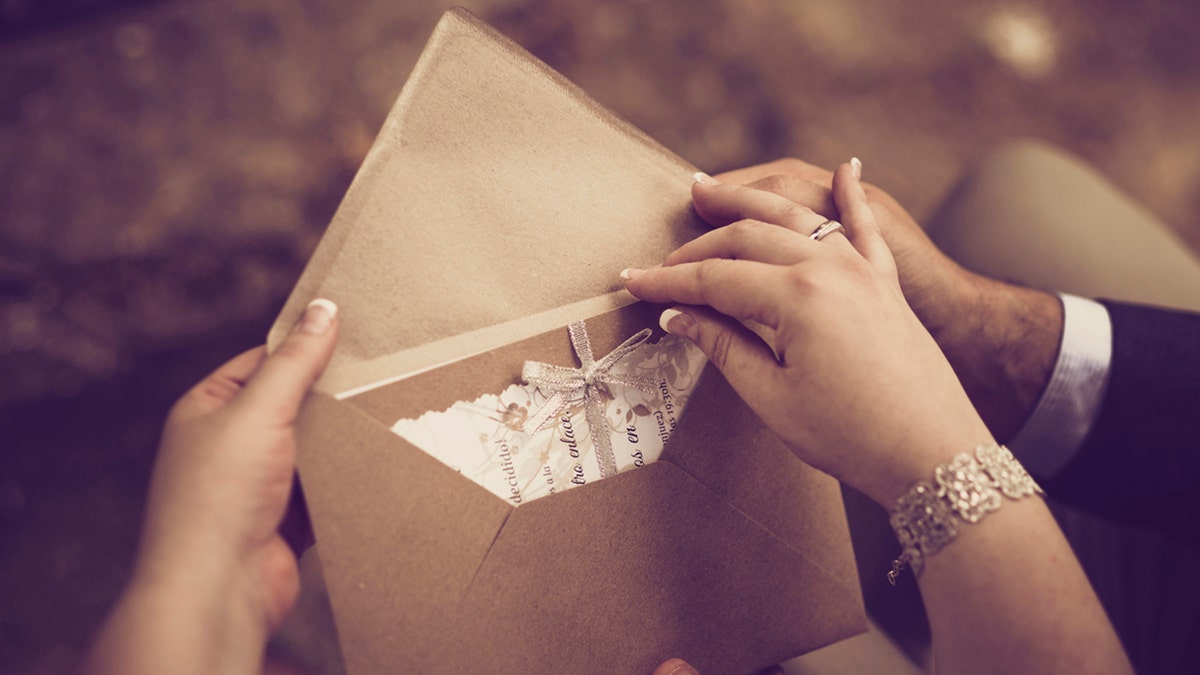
<point>167,167</point>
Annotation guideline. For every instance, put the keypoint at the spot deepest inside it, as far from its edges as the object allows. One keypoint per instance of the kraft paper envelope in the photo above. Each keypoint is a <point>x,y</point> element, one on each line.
<point>497,206</point>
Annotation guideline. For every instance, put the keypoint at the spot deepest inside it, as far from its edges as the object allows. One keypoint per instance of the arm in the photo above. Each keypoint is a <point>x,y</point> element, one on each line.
<point>861,390</point>
<point>1140,463</point>
<point>213,577</point>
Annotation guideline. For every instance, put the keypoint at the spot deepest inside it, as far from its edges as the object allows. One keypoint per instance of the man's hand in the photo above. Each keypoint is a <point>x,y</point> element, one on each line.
<point>214,577</point>
<point>1002,339</point>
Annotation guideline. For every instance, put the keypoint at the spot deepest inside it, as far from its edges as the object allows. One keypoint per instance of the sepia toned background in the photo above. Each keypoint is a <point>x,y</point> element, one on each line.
<point>166,168</point>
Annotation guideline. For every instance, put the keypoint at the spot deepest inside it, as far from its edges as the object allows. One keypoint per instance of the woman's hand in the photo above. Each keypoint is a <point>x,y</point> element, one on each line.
<point>852,381</point>
<point>848,376</point>
<point>213,576</point>
<point>1002,339</point>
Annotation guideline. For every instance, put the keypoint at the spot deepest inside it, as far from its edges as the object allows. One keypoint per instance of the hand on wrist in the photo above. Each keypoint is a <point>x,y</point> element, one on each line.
<point>1002,341</point>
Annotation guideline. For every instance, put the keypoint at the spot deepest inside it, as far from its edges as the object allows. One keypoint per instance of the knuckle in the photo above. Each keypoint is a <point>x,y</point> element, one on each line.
<point>779,184</point>
<point>708,271</point>
<point>793,214</point>
<point>744,229</point>
<point>719,344</point>
<point>291,350</point>
<point>791,165</point>
<point>799,278</point>
<point>710,274</point>
<point>216,388</point>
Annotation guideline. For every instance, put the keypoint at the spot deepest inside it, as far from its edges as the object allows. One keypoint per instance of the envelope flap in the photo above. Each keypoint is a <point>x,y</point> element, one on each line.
<point>401,534</point>
<point>496,177</point>
<point>757,474</point>
<point>618,576</point>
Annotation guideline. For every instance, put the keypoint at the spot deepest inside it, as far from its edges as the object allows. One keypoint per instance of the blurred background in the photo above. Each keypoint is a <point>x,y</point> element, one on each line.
<point>167,167</point>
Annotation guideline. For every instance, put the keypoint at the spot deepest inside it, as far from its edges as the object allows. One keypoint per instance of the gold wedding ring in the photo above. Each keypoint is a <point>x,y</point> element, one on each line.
<point>826,228</point>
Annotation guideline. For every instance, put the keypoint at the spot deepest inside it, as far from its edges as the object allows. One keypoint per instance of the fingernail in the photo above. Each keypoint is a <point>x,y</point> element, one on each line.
<point>318,316</point>
<point>676,322</point>
<point>631,273</point>
<point>856,167</point>
<point>704,179</point>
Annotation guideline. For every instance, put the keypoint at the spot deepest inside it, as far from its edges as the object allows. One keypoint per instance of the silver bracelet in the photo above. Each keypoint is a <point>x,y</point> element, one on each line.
<point>967,487</point>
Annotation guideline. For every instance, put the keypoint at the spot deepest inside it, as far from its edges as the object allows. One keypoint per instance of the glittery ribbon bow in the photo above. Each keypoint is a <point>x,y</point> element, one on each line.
<point>565,386</point>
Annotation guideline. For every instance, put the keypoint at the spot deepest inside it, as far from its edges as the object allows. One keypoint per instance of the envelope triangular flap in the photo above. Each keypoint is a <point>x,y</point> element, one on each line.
<point>400,534</point>
<point>499,184</point>
<point>619,580</point>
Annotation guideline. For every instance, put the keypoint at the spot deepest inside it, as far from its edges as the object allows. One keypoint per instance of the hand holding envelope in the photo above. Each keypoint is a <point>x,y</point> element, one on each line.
<point>214,576</point>
<point>856,375</point>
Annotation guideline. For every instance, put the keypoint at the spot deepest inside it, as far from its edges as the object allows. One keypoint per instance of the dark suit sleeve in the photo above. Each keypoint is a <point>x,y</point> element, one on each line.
<point>1140,463</point>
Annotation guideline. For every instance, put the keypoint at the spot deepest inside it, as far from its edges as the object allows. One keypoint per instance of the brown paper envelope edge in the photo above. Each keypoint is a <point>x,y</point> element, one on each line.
<point>455,23</point>
<point>659,568</point>
<point>819,539</point>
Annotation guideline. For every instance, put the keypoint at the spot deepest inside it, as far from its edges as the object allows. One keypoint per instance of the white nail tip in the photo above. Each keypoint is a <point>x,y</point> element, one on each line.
<point>703,178</point>
<point>327,304</point>
<point>666,317</point>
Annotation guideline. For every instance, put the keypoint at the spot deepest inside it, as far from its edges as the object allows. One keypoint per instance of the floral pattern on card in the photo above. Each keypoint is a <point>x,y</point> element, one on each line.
<point>488,441</point>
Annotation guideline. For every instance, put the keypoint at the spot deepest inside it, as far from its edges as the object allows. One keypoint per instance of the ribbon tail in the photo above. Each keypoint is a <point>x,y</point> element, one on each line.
<point>549,410</point>
<point>624,349</point>
<point>582,344</point>
<point>646,385</point>
<point>601,439</point>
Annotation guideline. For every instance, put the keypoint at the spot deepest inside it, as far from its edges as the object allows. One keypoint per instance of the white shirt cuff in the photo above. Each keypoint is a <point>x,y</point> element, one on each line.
<point>1065,413</point>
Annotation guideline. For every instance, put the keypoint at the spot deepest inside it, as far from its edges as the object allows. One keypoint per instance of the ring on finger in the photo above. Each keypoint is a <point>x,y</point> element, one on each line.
<point>827,228</point>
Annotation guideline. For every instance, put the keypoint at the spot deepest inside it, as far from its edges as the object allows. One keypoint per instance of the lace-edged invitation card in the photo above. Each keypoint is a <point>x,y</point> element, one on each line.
<point>491,441</point>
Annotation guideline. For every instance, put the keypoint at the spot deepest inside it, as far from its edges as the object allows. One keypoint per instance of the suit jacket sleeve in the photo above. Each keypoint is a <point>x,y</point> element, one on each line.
<point>1140,462</point>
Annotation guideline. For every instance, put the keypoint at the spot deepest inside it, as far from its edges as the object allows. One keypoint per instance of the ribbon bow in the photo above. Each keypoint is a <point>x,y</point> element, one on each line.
<point>567,385</point>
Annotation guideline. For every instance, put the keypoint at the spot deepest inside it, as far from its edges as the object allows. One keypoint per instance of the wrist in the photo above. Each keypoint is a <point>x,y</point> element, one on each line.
<point>180,623</point>
<point>918,455</point>
<point>1002,345</point>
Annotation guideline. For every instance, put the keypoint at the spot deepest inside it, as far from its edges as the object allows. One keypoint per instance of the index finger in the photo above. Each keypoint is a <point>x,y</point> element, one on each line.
<point>807,193</point>
<point>742,289</point>
<point>788,166</point>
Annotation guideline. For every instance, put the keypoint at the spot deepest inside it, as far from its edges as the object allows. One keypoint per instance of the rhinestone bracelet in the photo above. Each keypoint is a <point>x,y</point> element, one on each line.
<point>967,487</point>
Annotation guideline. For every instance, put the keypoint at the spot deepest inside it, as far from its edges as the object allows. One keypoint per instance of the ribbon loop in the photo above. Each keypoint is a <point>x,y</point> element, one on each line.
<point>565,386</point>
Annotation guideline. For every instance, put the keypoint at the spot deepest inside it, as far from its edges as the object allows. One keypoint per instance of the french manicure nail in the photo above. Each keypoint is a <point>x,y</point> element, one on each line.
<point>318,316</point>
<point>704,179</point>
<point>682,322</point>
<point>856,167</point>
<point>631,273</point>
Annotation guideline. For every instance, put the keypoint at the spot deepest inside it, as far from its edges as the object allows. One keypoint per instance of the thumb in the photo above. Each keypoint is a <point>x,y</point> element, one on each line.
<point>276,390</point>
<point>741,356</point>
